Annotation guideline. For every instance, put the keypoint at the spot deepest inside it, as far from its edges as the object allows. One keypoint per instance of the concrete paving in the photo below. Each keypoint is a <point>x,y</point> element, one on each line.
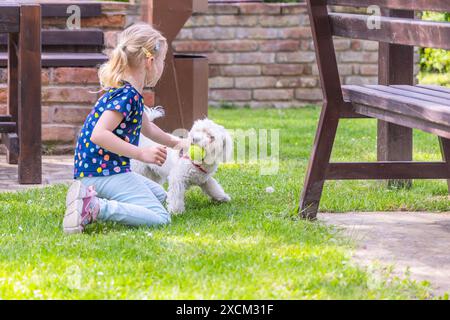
<point>420,241</point>
<point>55,169</point>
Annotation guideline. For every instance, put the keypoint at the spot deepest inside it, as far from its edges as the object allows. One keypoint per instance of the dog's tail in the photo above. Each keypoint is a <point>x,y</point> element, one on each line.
<point>154,113</point>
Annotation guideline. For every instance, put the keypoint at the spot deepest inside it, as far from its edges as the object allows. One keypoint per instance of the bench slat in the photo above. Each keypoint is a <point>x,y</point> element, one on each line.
<point>402,31</point>
<point>84,37</point>
<point>387,170</point>
<point>401,105</point>
<point>7,127</point>
<point>412,94</point>
<point>424,90</point>
<point>73,37</point>
<point>59,10</point>
<point>403,120</point>
<point>73,59</point>
<point>9,19</point>
<point>5,118</point>
<point>436,88</point>
<point>418,5</point>
<point>65,59</point>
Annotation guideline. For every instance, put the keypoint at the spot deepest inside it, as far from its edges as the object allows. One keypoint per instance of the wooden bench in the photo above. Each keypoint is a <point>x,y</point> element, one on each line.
<point>396,102</point>
<point>21,128</point>
<point>64,47</point>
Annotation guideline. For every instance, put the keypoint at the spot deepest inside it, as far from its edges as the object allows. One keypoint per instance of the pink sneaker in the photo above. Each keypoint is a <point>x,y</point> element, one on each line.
<point>82,208</point>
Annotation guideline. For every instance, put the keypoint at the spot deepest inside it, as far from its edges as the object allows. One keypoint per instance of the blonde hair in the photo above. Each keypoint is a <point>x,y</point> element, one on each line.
<point>134,44</point>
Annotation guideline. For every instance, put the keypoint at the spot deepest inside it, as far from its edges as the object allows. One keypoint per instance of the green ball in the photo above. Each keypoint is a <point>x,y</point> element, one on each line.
<point>197,153</point>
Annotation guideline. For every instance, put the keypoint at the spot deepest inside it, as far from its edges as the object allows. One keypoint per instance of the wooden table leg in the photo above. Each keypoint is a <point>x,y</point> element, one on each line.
<point>29,102</point>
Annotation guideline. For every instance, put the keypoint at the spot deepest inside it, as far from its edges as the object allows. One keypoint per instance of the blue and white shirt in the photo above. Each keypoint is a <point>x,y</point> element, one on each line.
<point>93,161</point>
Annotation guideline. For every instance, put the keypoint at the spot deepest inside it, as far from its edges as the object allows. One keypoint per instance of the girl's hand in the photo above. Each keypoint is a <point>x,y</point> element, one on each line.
<point>156,155</point>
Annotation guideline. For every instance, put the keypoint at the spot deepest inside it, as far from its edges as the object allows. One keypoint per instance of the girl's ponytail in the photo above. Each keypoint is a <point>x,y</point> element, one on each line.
<point>112,72</point>
<point>133,43</point>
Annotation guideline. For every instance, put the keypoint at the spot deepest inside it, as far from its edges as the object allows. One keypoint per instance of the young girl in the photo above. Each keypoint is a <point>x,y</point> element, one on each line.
<point>105,189</point>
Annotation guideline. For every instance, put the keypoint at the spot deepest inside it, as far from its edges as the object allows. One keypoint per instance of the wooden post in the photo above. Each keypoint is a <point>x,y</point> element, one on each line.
<point>396,66</point>
<point>169,17</point>
<point>29,93</point>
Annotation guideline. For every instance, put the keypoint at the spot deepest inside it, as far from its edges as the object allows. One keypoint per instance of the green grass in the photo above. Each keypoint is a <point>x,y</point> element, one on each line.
<point>252,248</point>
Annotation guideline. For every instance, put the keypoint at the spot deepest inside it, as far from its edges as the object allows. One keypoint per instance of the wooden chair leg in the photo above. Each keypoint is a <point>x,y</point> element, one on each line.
<point>11,141</point>
<point>395,143</point>
<point>319,161</point>
<point>445,150</point>
<point>29,107</point>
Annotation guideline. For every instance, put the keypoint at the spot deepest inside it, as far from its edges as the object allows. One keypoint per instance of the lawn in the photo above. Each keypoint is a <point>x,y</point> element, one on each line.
<point>252,248</point>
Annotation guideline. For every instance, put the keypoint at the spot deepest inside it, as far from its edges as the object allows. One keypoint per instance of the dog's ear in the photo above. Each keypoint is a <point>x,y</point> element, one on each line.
<point>227,146</point>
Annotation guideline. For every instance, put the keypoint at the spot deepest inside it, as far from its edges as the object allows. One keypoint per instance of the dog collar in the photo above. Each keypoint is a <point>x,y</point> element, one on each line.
<point>186,156</point>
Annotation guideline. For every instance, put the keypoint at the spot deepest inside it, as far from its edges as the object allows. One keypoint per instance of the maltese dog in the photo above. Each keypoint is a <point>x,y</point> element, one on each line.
<point>211,144</point>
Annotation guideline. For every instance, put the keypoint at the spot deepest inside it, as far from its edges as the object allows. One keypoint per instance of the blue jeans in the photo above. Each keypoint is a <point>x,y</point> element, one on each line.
<point>129,198</point>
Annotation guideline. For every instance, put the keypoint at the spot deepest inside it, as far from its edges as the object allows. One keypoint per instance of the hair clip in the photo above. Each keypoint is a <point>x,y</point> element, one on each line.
<point>147,53</point>
<point>157,46</point>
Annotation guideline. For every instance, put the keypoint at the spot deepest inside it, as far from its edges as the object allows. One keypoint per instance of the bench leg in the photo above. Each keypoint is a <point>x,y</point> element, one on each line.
<point>11,141</point>
<point>395,143</point>
<point>318,163</point>
<point>445,150</point>
<point>396,66</point>
<point>29,106</point>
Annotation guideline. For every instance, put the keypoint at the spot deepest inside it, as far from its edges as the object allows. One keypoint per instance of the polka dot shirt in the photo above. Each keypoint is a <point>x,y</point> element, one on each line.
<point>93,161</point>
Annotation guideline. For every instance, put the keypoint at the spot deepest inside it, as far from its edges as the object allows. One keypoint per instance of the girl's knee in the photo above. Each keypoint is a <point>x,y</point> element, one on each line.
<point>156,189</point>
<point>163,215</point>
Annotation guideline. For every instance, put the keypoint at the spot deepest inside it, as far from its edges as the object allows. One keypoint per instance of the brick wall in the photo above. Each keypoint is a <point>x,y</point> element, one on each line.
<point>262,55</point>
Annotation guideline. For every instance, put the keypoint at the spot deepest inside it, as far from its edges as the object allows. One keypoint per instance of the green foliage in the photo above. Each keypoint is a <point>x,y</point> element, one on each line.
<point>435,60</point>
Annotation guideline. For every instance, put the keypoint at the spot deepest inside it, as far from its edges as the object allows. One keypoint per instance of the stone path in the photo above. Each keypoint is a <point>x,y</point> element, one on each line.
<point>56,169</point>
<point>420,241</point>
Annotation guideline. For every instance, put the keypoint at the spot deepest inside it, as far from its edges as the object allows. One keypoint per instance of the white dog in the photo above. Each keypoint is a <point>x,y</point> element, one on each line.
<point>181,171</point>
